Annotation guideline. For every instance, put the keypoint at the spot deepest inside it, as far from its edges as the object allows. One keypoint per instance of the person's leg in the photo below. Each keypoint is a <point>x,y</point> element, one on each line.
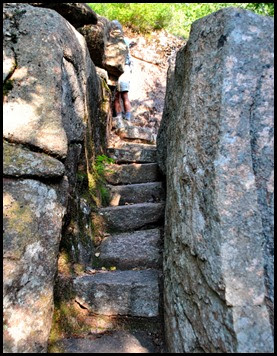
<point>126,101</point>
<point>123,88</point>
<point>126,105</point>
<point>117,103</point>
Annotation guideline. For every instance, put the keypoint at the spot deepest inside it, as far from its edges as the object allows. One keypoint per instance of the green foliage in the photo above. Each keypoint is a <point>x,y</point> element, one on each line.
<point>101,162</point>
<point>176,18</point>
<point>97,182</point>
<point>266,9</point>
<point>66,322</point>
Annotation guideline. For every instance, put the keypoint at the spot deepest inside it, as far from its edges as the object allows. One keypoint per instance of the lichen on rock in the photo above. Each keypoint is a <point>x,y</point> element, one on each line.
<point>215,146</point>
<point>32,231</point>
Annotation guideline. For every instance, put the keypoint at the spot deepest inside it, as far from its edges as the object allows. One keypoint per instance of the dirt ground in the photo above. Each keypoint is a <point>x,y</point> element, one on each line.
<point>151,54</point>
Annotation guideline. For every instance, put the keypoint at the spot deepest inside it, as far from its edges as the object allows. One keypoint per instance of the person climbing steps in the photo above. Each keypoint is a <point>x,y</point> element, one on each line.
<point>123,85</point>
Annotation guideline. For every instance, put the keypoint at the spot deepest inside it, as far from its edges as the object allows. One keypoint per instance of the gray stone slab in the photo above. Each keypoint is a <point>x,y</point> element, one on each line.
<point>106,46</point>
<point>132,217</point>
<point>133,249</point>
<point>32,224</point>
<point>19,161</point>
<point>39,110</point>
<point>132,173</point>
<point>136,132</point>
<point>114,342</point>
<point>136,193</point>
<point>139,132</point>
<point>217,146</point>
<point>139,154</point>
<point>135,145</point>
<point>78,14</point>
<point>134,293</point>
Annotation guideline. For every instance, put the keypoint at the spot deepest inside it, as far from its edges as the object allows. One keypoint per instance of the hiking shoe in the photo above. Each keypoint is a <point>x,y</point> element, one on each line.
<point>118,117</point>
<point>119,125</point>
<point>127,116</point>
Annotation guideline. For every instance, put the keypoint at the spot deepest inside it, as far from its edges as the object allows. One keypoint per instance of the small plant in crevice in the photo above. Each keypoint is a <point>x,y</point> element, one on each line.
<point>97,182</point>
<point>101,161</point>
<point>67,322</point>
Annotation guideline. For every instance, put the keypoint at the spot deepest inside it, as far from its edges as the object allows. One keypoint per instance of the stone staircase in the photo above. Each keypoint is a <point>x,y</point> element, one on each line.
<point>133,245</point>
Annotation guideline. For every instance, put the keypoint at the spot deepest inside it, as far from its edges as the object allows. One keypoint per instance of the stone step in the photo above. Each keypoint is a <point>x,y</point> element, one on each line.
<point>136,132</point>
<point>137,153</point>
<point>126,130</point>
<point>116,341</point>
<point>132,217</point>
<point>136,193</point>
<point>135,249</point>
<point>132,173</point>
<point>134,293</point>
<point>133,145</point>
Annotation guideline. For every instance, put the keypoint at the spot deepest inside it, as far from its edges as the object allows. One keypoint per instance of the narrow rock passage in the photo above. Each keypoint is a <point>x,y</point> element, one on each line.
<point>130,289</point>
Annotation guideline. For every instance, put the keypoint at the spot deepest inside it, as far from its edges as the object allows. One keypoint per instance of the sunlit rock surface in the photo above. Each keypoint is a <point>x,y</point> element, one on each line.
<point>216,147</point>
<point>78,14</point>
<point>52,100</point>
<point>21,162</point>
<point>134,293</point>
<point>131,217</point>
<point>132,173</point>
<point>106,46</point>
<point>32,221</point>
<point>132,249</point>
<point>112,342</point>
<point>37,110</point>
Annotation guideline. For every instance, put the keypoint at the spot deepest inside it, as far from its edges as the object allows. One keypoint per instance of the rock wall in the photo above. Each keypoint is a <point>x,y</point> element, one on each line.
<point>78,14</point>
<point>215,146</point>
<point>56,119</point>
<point>106,46</point>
